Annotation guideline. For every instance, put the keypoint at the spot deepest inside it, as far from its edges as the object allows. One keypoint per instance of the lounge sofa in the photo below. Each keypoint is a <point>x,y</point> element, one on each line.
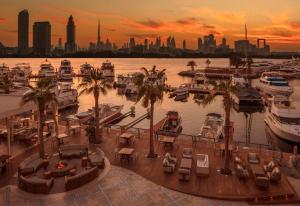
<point>97,159</point>
<point>241,172</point>
<point>32,164</point>
<point>35,185</point>
<point>72,182</point>
<point>274,175</point>
<point>184,174</point>
<point>262,181</point>
<point>73,151</point>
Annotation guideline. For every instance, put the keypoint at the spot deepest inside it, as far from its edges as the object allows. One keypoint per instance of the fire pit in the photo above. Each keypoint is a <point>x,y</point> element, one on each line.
<point>61,169</point>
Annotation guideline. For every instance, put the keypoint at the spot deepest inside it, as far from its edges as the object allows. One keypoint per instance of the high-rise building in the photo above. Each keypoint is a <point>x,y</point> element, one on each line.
<point>42,38</point>
<point>70,46</point>
<point>184,44</point>
<point>131,43</point>
<point>23,32</point>
<point>98,37</point>
<point>200,44</point>
<point>210,44</point>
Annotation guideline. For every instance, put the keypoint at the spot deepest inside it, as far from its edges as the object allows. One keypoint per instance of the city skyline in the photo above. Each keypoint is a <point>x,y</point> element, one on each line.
<point>188,20</point>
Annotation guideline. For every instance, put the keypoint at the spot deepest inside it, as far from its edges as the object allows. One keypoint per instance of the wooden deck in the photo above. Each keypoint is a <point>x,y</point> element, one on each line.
<point>213,186</point>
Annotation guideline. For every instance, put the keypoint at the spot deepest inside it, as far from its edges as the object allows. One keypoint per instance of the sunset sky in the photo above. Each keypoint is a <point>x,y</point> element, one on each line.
<point>276,20</point>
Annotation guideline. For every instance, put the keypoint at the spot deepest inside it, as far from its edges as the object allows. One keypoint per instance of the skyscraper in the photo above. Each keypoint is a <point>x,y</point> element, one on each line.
<point>23,32</point>
<point>200,44</point>
<point>42,38</point>
<point>98,37</point>
<point>70,46</point>
<point>184,44</point>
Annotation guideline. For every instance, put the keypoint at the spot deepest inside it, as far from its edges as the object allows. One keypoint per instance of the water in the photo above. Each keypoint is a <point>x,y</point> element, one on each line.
<point>193,115</point>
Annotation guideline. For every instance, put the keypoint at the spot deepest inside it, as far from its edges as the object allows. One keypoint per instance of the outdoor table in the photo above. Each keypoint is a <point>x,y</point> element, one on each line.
<point>61,137</point>
<point>127,137</point>
<point>168,141</point>
<point>126,153</point>
<point>186,163</point>
<point>75,128</point>
<point>257,170</point>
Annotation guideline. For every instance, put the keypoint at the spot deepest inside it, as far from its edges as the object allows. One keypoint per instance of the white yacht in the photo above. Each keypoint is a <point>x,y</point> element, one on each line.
<point>47,70</point>
<point>283,117</point>
<point>65,71</point>
<point>66,95</point>
<point>181,93</point>
<point>4,70</point>
<point>85,69</point>
<point>238,80</point>
<point>108,69</point>
<point>213,127</point>
<point>21,73</point>
<point>274,85</point>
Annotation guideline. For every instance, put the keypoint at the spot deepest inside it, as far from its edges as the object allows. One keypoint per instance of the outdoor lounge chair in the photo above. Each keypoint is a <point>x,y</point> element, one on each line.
<point>187,153</point>
<point>171,158</point>
<point>270,166</point>
<point>168,166</point>
<point>253,158</point>
<point>97,159</point>
<point>241,172</point>
<point>184,174</point>
<point>274,175</point>
<point>262,181</point>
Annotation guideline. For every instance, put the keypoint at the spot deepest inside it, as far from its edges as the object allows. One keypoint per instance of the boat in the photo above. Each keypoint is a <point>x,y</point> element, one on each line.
<point>199,98</point>
<point>217,72</point>
<point>182,93</point>
<point>274,85</point>
<point>21,73</point>
<point>159,81</point>
<point>4,70</point>
<point>246,96</point>
<point>283,118</point>
<point>131,89</point>
<point>124,79</point>
<point>238,80</point>
<point>47,70</point>
<point>66,96</point>
<point>108,69</point>
<point>65,71</point>
<point>108,113</point>
<point>85,69</point>
<point>172,125</point>
<point>213,127</point>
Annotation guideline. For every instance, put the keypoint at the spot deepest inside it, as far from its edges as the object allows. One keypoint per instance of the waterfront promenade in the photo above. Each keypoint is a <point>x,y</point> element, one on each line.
<point>215,186</point>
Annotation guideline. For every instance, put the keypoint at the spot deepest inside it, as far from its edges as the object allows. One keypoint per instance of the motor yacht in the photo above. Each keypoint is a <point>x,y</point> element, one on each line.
<point>47,70</point>
<point>66,96</point>
<point>4,70</point>
<point>274,85</point>
<point>85,69</point>
<point>238,80</point>
<point>181,93</point>
<point>213,127</point>
<point>108,69</point>
<point>21,73</point>
<point>283,118</point>
<point>171,125</point>
<point>65,71</point>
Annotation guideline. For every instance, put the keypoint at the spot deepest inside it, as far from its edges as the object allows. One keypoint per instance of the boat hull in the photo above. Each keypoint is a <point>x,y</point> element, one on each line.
<point>275,127</point>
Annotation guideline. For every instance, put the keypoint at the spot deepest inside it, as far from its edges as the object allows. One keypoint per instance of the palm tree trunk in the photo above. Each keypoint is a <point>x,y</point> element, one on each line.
<point>41,118</point>
<point>97,119</point>
<point>226,169</point>
<point>54,113</point>
<point>151,146</point>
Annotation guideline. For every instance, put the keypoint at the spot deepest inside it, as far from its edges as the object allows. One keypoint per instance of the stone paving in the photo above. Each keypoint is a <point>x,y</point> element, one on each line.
<point>118,187</point>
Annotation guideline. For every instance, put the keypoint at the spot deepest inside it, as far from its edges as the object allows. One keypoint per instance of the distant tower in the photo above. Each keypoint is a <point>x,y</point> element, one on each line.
<point>98,37</point>
<point>23,32</point>
<point>59,43</point>
<point>42,38</point>
<point>200,43</point>
<point>184,44</point>
<point>246,32</point>
<point>70,45</point>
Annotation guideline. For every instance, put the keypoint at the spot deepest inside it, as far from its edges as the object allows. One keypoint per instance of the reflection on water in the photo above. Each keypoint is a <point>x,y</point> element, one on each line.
<point>193,115</point>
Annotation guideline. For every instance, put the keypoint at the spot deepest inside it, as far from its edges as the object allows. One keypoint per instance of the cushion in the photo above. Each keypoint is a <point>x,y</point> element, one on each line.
<point>237,160</point>
<point>270,166</point>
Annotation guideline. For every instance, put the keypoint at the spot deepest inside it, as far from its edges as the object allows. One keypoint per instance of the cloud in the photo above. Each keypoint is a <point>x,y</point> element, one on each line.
<point>295,24</point>
<point>2,20</point>
<point>152,23</point>
<point>142,36</point>
<point>187,21</point>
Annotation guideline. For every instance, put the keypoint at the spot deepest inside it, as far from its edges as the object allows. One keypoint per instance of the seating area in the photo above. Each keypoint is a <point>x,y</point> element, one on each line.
<point>71,168</point>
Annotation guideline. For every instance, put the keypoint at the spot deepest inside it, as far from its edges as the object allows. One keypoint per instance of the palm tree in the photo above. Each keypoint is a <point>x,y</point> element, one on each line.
<point>226,89</point>
<point>192,64</point>
<point>95,84</point>
<point>5,84</point>
<point>207,62</point>
<point>236,61</point>
<point>150,91</point>
<point>41,96</point>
